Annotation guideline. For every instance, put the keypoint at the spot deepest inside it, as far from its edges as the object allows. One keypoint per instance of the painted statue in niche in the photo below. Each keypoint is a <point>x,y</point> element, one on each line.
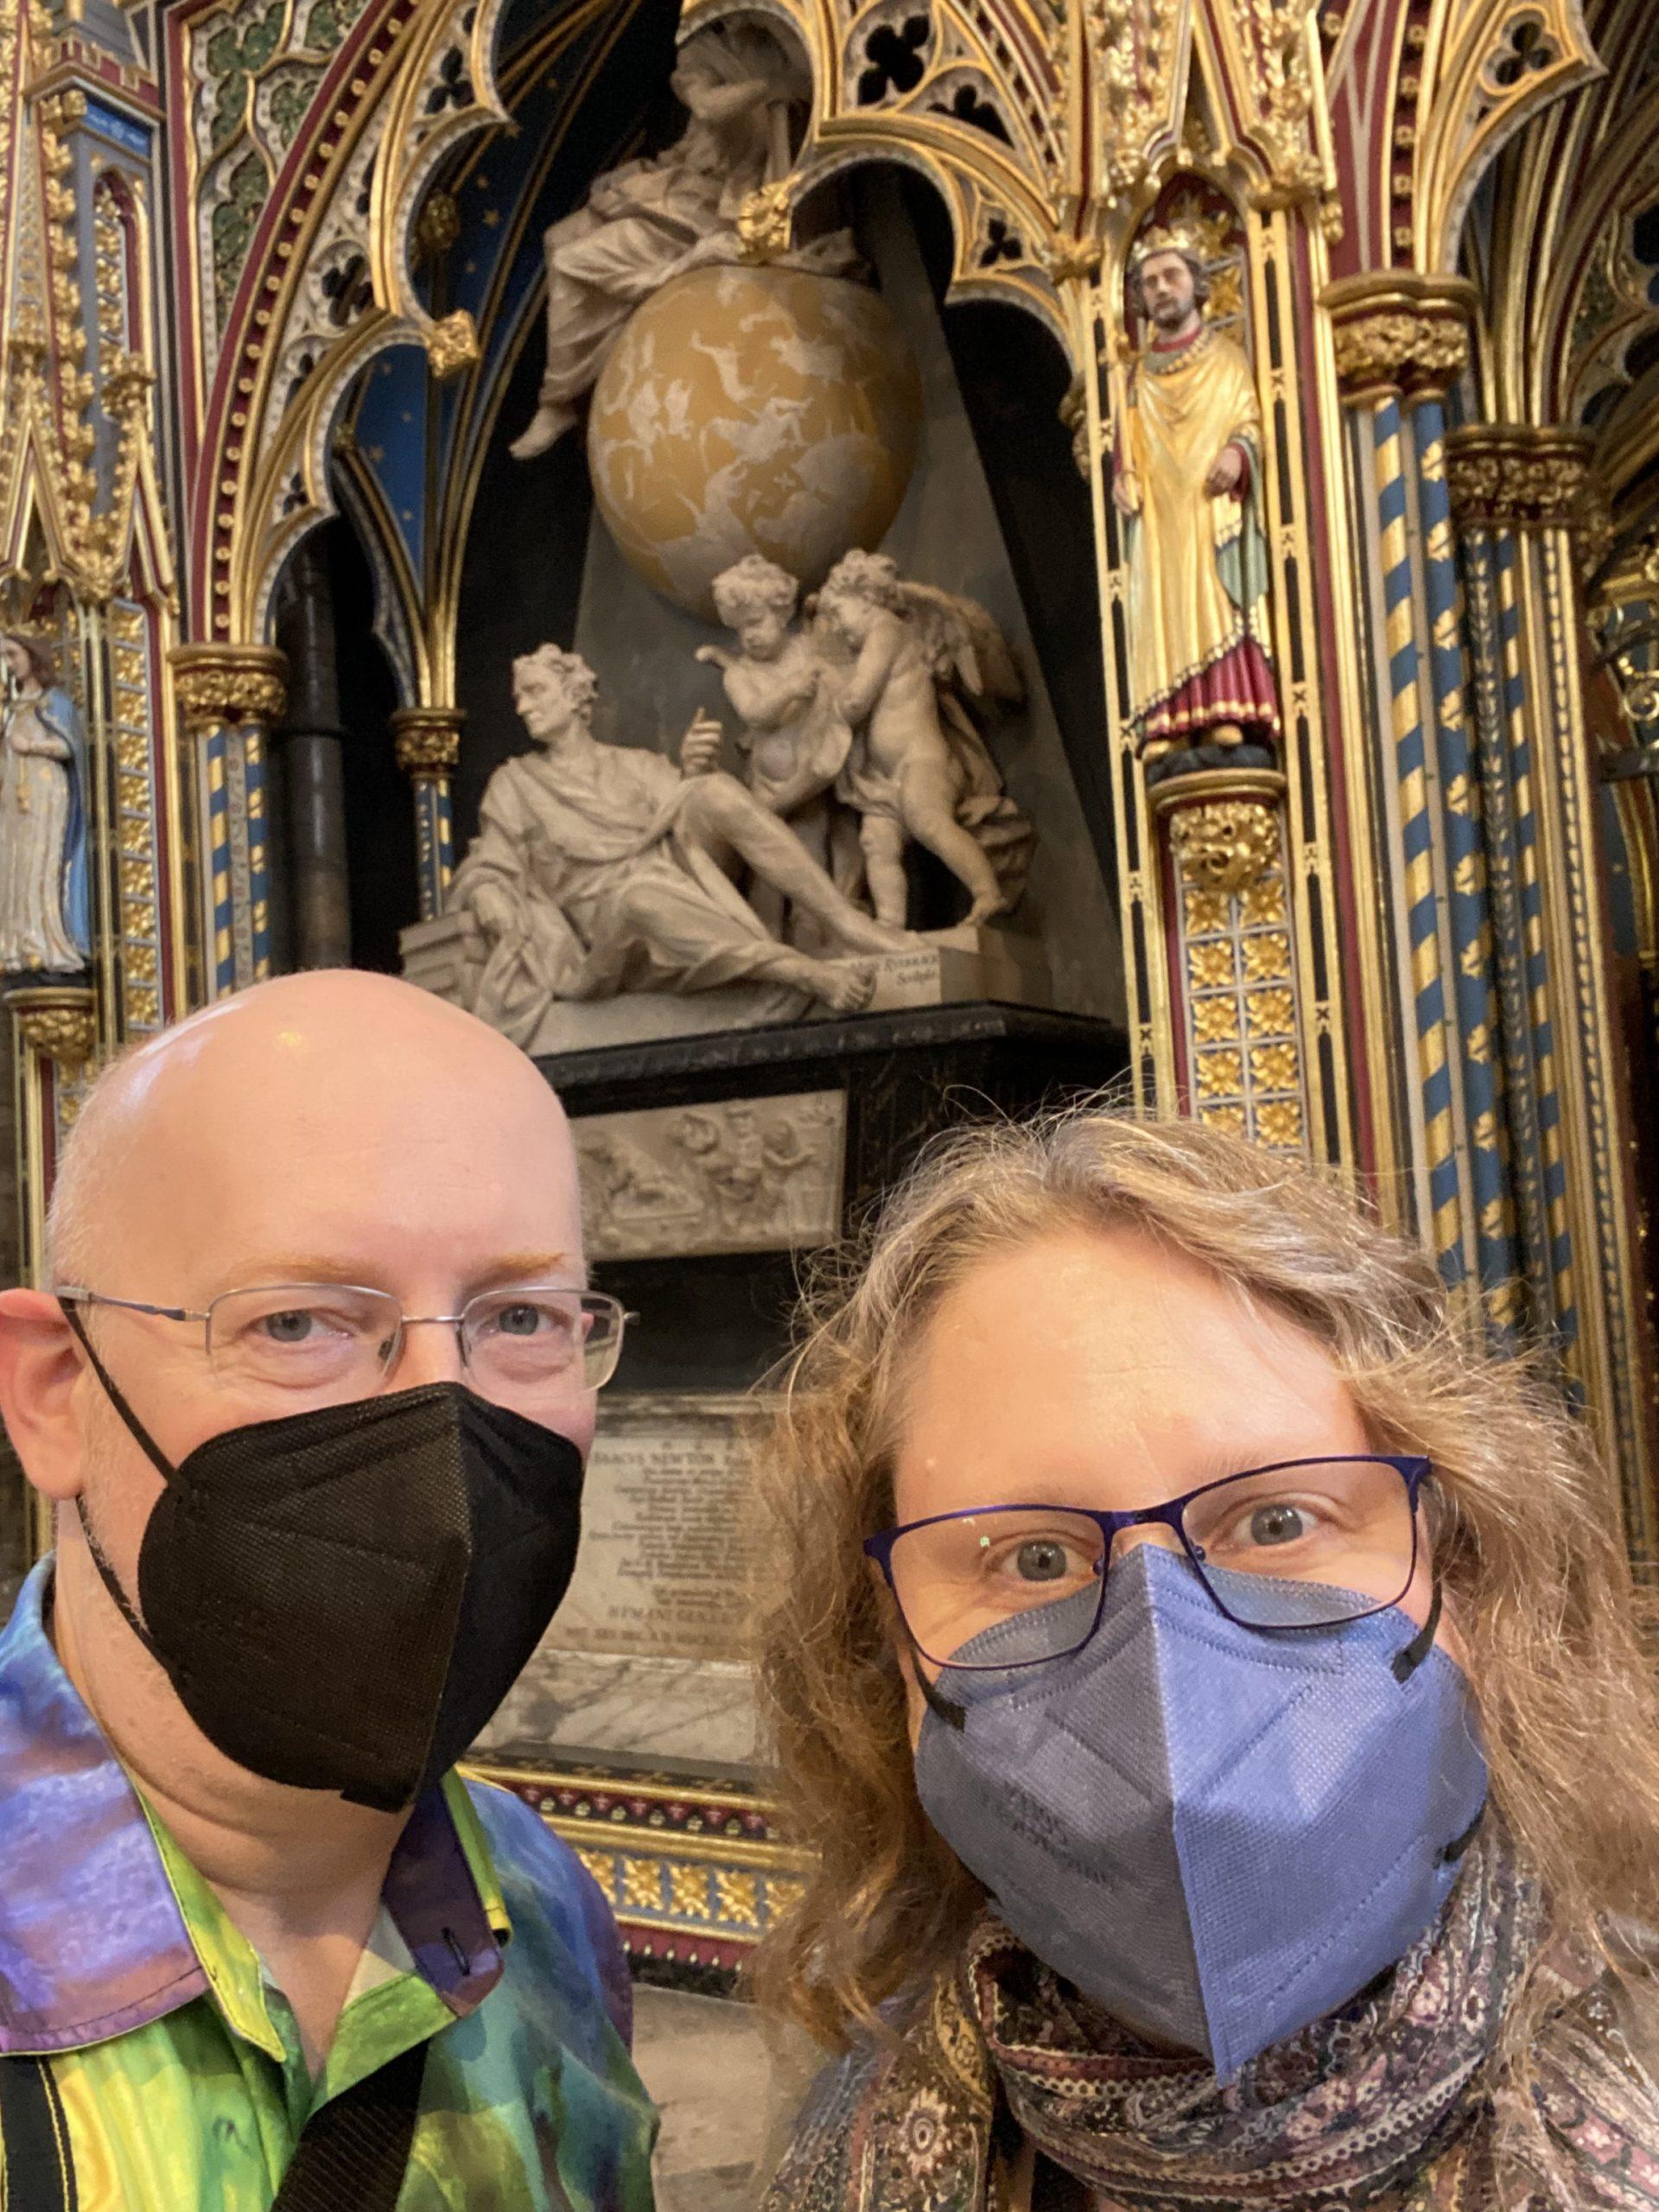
<point>45,906</point>
<point>1187,480</point>
<point>857,728</point>
<point>653,220</point>
<point>599,869</point>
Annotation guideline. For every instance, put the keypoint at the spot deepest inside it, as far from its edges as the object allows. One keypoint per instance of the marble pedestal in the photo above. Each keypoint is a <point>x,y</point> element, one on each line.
<point>950,966</point>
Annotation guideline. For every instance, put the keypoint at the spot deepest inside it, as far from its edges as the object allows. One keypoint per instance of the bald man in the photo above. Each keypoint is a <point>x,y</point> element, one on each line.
<point>310,1397</point>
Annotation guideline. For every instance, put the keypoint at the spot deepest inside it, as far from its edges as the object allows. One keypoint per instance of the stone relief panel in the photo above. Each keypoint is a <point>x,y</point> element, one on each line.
<point>737,1175</point>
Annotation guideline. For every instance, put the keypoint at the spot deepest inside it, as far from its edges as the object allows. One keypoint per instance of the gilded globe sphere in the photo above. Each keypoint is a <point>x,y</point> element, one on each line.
<point>751,410</point>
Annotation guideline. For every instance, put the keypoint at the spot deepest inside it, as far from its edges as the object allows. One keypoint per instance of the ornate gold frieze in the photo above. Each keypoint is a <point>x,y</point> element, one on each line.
<point>1399,333</point>
<point>1224,844</point>
<point>229,683</point>
<point>1518,476</point>
<point>428,739</point>
<point>58,1020</point>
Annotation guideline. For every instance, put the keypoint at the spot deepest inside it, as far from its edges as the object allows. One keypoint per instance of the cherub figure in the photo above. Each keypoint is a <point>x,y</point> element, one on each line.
<point>919,767</point>
<point>793,734</point>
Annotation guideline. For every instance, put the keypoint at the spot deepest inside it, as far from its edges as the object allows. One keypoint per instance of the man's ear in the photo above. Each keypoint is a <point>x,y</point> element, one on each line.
<point>39,1367</point>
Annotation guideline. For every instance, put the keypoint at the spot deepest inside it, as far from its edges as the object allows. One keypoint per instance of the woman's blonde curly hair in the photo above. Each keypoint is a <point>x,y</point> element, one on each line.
<point>1526,1533</point>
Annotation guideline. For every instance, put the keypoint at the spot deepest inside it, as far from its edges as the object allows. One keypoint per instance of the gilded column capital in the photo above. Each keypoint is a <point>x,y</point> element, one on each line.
<point>1399,333</point>
<point>1518,476</point>
<point>58,1020</point>
<point>428,739</point>
<point>1223,825</point>
<point>229,683</point>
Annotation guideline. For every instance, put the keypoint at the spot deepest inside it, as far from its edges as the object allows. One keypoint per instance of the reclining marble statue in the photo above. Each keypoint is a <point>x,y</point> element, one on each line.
<point>863,716</point>
<point>603,869</point>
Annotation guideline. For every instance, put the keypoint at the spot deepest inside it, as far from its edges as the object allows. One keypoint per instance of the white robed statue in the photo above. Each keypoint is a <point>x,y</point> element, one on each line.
<point>45,907</point>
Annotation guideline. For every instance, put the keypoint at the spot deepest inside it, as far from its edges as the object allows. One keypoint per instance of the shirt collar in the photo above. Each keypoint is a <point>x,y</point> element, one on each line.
<point>105,1925</point>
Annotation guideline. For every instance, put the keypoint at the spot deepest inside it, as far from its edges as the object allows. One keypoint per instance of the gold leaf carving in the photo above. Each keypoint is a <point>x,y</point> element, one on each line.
<point>1226,844</point>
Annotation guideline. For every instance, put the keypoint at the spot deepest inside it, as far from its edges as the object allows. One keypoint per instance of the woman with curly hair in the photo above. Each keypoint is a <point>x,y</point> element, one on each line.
<point>1213,1692</point>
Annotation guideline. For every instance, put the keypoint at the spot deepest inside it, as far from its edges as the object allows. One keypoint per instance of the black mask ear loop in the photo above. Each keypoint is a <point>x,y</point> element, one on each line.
<point>152,1450</point>
<point>942,1707</point>
<point>1410,1656</point>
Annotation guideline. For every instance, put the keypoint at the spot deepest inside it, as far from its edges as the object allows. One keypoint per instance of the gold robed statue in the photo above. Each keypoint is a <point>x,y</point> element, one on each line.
<point>1187,476</point>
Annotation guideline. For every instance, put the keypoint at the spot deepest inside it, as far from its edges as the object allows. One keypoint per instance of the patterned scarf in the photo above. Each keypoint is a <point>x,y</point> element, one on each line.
<point>1386,2104</point>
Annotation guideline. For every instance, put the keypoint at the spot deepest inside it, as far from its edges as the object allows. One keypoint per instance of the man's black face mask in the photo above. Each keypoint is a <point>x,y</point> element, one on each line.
<point>342,1599</point>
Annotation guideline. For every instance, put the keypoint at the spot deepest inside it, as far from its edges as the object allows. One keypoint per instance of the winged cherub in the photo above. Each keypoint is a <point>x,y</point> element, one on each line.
<point>792,732</point>
<point>910,659</point>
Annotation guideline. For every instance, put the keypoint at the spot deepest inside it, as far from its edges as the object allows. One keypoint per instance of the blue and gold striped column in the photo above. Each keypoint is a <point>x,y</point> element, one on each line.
<point>1518,490</point>
<point>1468,925</point>
<point>428,746</point>
<point>1419,833</point>
<point>228,697</point>
<point>1498,692</point>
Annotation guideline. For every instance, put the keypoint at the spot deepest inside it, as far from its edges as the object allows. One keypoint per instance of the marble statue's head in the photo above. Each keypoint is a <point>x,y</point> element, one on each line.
<point>553,691</point>
<point>736,53</point>
<point>1169,281</point>
<point>859,586</point>
<point>27,659</point>
<point>756,599</point>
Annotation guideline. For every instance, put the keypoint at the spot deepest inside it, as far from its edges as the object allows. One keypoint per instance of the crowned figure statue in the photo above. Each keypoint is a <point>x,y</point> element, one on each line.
<point>1188,480</point>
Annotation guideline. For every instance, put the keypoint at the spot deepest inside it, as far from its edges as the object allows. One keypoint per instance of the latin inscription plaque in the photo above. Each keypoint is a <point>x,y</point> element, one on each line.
<point>662,1569</point>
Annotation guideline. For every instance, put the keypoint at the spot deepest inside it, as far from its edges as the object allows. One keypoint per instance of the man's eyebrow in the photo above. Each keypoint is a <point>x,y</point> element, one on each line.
<point>285,1270</point>
<point>529,1268</point>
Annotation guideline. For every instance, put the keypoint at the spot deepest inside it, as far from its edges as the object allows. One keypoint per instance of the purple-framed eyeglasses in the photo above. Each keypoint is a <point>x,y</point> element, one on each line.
<point>1302,1544</point>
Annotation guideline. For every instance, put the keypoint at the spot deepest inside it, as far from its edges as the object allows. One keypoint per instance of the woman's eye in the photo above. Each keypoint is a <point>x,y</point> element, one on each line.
<point>1041,1560</point>
<point>1278,1523</point>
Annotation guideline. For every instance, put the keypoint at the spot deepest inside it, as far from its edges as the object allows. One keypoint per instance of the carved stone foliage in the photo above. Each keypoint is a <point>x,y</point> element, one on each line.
<point>736,1175</point>
<point>58,1021</point>
<point>1517,476</point>
<point>1396,332</point>
<point>1225,844</point>
<point>428,739</point>
<point>229,683</point>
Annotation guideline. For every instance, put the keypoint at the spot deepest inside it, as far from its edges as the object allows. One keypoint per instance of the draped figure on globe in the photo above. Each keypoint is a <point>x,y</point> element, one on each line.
<point>653,220</point>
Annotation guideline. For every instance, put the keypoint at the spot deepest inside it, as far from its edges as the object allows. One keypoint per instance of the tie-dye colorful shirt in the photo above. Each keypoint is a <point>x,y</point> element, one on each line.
<point>173,2075</point>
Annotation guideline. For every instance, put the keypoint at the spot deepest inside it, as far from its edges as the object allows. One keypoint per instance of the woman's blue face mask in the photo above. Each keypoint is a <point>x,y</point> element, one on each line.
<point>1220,1833</point>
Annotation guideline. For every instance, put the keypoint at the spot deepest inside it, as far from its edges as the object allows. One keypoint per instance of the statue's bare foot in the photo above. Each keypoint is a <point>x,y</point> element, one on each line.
<point>844,985</point>
<point>985,910</point>
<point>547,426</point>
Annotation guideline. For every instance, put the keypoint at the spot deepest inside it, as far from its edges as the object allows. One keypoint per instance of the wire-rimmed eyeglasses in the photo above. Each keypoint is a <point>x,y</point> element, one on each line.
<point>1304,1543</point>
<point>341,1340</point>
